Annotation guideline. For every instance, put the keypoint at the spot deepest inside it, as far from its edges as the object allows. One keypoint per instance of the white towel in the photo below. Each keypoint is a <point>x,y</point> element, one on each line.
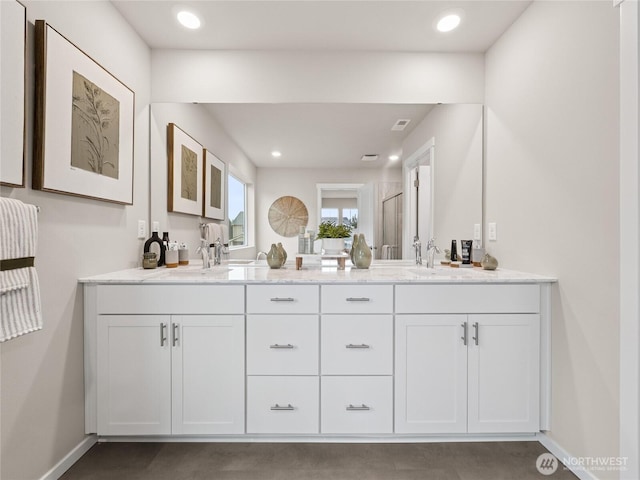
<point>20,310</point>
<point>213,233</point>
<point>386,250</point>
<point>224,230</point>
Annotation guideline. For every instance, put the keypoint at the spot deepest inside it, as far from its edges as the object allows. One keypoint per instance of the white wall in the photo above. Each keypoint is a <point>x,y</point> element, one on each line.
<point>351,77</point>
<point>42,373</point>
<point>552,187</point>
<point>629,237</point>
<point>457,169</point>
<point>199,124</point>
<point>273,183</point>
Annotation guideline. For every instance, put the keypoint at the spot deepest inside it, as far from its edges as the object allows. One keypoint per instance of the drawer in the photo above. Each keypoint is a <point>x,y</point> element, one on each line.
<point>358,405</point>
<point>357,299</point>
<point>467,298</point>
<point>282,405</point>
<point>282,345</point>
<point>170,299</point>
<point>283,298</point>
<point>357,344</point>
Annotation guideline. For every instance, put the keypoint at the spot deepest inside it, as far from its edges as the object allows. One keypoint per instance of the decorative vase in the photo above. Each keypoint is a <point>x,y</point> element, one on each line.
<point>283,252</point>
<point>333,246</point>
<point>274,257</point>
<point>488,262</point>
<point>356,239</point>
<point>362,254</point>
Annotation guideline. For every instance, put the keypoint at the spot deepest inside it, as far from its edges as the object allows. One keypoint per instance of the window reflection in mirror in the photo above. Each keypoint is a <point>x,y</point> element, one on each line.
<point>237,202</point>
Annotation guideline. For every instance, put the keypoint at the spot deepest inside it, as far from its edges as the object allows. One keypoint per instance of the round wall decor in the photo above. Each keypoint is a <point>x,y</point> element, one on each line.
<point>287,215</point>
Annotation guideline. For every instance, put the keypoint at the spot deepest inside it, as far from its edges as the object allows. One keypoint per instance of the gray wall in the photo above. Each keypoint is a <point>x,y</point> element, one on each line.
<point>552,187</point>
<point>41,388</point>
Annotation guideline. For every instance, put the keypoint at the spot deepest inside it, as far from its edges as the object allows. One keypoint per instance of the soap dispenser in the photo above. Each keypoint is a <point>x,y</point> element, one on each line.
<point>154,243</point>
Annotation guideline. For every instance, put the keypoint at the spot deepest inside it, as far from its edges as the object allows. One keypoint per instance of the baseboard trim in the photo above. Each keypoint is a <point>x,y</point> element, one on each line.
<point>252,438</point>
<point>70,458</point>
<point>565,457</point>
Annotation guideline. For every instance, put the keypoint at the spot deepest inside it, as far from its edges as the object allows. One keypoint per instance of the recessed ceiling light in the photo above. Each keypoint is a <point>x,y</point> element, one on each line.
<point>276,154</point>
<point>393,158</point>
<point>188,19</point>
<point>449,20</point>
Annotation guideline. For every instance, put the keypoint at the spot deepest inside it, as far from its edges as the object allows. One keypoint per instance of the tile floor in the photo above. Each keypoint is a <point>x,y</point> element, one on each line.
<point>312,461</point>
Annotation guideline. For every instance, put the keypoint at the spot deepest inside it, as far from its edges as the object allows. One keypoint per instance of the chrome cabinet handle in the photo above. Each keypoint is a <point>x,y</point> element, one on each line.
<point>283,299</point>
<point>476,329</point>
<point>176,339</point>
<point>163,335</point>
<point>355,408</point>
<point>278,346</point>
<point>362,345</point>
<point>283,407</point>
<point>464,333</point>
<point>358,299</point>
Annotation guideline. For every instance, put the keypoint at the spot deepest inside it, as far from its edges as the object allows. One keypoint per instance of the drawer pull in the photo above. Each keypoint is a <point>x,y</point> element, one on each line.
<point>362,345</point>
<point>283,299</point>
<point>358,299</point>
<point>283,407</point>
<point>278,346</point>
<point>356,408</point>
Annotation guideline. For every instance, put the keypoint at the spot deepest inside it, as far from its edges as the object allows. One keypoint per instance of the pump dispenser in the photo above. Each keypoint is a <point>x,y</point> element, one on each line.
<point>154,244</point>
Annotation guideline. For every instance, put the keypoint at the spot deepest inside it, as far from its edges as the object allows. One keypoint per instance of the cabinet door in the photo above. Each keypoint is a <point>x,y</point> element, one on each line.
<point>504,376</point>
<point>207,374</point>
<point>431,374</point>
<point>134,375</point>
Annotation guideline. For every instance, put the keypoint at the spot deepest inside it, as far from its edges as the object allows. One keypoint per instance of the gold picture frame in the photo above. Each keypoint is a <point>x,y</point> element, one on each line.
<point>185,184</point>
<point>84,123</point>
<point>215,182</point>
<point>13,34</point>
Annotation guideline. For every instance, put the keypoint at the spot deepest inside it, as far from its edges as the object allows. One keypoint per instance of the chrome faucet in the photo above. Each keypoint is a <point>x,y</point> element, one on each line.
<point>417,244</point>
<point>217,252</point>
<point>204,251</point>
<point>432,249</point>
<point>261,253</point>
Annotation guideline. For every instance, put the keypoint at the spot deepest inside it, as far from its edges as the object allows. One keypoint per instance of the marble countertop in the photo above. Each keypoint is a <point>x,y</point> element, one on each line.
<point>389,271</point>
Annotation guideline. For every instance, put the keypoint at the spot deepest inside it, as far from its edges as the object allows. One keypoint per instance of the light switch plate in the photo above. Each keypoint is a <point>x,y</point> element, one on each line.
<point>476,231</point>
<point>142,229</point>
<point>493,232</point>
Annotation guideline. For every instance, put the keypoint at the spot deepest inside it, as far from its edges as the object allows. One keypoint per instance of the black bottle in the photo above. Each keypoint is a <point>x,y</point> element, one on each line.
<point>454,251</point>
<point>155,238</point>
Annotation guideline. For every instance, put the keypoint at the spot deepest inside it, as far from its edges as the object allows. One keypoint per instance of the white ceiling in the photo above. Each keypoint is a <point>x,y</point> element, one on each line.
<point>391,25</point>
<point>317,135</point>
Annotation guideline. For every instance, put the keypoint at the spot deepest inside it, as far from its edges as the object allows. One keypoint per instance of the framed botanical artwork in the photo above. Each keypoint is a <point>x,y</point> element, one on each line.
<point>83,124</point>
<point>13,28</point>
<point>185,172</point>
<point>214,186</point>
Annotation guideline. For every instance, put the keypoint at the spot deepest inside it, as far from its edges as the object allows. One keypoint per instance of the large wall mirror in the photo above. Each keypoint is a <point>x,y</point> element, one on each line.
<point>324,144</point>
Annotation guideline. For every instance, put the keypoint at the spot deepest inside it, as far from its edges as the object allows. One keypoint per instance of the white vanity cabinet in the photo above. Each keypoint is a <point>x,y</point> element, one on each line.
<point>283,359</point>
<point>467,372</point>
<point>168,374</point>
<point>383,352</point>
<point>356,359</point>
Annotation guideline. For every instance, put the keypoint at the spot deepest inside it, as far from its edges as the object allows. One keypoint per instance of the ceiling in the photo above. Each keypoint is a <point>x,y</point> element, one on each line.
<point>319,135</point>
<point>391,25</point>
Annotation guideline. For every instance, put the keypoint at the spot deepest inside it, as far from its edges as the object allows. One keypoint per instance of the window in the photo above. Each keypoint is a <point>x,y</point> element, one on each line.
<point>341,216</point>
<point>237,201</point>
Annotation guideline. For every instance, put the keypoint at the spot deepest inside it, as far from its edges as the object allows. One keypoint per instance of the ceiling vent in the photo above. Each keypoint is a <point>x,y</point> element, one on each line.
<point>370,157</point>
<point>400,124</point>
